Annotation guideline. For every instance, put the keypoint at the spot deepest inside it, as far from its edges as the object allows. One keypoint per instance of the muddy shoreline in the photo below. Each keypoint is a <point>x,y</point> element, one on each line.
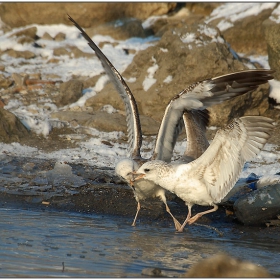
<point>23,186</point>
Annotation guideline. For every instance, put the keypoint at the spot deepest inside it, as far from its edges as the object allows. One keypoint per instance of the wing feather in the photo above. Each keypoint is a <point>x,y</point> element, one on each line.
<point>196,122</point>
<point>223,161</point>
<point>132,115</point>
<point>170,128</point>
<point>196,97</point>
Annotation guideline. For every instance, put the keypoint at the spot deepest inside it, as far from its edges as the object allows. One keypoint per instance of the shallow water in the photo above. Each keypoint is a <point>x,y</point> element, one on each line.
<point>62,244</point>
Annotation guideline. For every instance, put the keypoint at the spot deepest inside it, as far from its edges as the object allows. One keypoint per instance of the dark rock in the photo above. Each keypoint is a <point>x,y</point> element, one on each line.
<point>11,129</point>
<point>258,206</point>
<point>87,14</point>
<point>272,32</point>
<point>70,92</point>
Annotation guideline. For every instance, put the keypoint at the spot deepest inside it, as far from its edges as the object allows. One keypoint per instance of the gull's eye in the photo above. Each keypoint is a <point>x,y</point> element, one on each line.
<point>147,170</point>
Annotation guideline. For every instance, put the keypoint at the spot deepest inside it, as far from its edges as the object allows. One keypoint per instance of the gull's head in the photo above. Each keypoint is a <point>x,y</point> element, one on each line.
<point>151,170</point>
<point>124,169</point>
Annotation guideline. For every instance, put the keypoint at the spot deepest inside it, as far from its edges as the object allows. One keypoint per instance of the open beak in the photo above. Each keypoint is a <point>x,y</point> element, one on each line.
<point>139,176</point>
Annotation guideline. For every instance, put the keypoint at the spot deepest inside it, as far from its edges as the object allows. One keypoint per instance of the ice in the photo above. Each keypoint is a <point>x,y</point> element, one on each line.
<point>62,175</point>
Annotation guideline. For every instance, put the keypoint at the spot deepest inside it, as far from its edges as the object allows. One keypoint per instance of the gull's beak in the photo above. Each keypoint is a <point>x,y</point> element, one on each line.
<point>139,176</point>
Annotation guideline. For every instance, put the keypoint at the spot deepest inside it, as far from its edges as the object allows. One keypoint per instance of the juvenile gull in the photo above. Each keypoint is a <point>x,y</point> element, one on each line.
<point>207,180</point>
<point>187,107</point>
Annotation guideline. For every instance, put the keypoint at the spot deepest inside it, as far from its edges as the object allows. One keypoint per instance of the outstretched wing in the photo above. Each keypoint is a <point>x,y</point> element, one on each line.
<point>199,96</point>
<point>132,115</point>
<point>221,164</point>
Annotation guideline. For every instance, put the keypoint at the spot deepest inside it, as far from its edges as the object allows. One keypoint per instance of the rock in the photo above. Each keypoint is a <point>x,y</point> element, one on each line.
<point>258,206</point>
<point>71,51</point>
<point>201,8</point>
<point>120,30</point>
<point>245,35</point>
<point>104,121</point>
<point>20,80</point>
<point>271,29</point>
<point>223,266</point>
<point>177,56</point>
<point>152,272</point>
<point>53,60</point>
<point>253,103</point>
<point>241,188</point>
<point>61,51</point>
<point>26,36</point>
<point>25,40</point>
<point>70,92</point>
<point>87,14</point>
<point>183,17</point>
<point>90,82</point>
<point>47,36</point>
<point>5,82</point>
<point>21,54</point>
<point>28,32</point>
<point>60,37</point>
<point>11,129</point>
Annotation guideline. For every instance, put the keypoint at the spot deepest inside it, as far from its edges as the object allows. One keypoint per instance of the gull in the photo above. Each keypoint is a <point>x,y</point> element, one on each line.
<point>207,180</point>
<point>188,108</point>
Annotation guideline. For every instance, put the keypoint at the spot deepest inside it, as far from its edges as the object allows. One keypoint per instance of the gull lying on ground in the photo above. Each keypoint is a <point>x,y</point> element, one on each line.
<point>207,180</point>
<point>187,107</point>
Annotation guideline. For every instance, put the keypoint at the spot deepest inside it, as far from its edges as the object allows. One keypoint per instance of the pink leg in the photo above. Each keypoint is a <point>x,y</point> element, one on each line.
<point>176,223</point>
<point>138,209</point>
<point>187,219</point>
<point>198,215</point>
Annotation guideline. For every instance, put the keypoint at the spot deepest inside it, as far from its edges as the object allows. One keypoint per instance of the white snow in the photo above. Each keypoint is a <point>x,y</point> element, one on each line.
<point>275,91</point>
<point>109,109</point>
<point>275,15</point>
<point>149,79</point>
<point>168,79</point>
<point>231,12</point>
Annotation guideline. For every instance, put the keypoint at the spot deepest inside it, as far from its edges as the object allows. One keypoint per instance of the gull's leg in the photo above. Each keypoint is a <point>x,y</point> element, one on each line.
<point>176,223</point>
<point>198,215</point>
<point>187,219</point>
<point>138,209</point>
<point>163,198</point>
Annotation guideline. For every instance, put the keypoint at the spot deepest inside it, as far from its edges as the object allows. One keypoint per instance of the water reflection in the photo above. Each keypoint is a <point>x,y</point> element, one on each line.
<point>58,244</point>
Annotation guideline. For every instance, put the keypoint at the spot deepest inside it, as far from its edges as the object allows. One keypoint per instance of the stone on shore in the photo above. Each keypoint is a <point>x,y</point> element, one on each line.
<point>259,206</point>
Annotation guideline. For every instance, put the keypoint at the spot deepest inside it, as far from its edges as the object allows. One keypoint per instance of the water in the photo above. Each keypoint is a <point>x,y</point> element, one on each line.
<point>62,244</point>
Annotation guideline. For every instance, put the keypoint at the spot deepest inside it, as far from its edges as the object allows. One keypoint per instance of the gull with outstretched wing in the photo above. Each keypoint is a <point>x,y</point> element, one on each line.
<point>208,179</point>
<point>186,108</point>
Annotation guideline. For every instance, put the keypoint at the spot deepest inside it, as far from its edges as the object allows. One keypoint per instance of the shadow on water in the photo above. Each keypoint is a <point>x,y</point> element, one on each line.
<point>57,244</point>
